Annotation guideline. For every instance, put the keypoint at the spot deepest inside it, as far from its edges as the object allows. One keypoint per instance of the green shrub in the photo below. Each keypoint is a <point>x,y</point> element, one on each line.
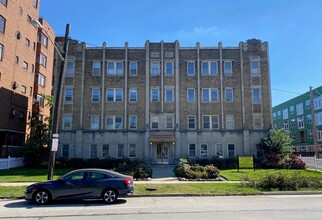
<point>196,171</point>
<point>283,182</point>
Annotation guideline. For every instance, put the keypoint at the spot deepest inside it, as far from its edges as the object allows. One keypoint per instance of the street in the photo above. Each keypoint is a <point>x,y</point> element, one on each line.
<point>219,207</point>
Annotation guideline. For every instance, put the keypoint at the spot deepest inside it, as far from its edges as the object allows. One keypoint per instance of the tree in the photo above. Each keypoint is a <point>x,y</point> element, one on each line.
<point>276,142</point>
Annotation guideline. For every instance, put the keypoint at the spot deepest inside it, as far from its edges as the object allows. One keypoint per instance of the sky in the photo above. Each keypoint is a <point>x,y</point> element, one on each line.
<point>292,28</point>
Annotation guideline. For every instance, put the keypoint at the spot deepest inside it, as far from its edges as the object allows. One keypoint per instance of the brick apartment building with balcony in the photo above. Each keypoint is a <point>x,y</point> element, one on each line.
<point>23,74</point>
<point>162,102</point>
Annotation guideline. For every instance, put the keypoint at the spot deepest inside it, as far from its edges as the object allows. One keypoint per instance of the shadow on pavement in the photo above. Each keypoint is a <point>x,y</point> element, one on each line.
<point>65,203</point>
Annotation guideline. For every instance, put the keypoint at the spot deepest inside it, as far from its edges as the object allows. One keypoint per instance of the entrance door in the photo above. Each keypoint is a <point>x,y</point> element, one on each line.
<point>162,153</point>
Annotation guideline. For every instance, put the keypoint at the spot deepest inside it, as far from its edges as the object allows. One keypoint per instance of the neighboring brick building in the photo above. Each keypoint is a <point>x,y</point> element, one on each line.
<point>295,116</point>
<point>19,69</point>
<point>163,102</point>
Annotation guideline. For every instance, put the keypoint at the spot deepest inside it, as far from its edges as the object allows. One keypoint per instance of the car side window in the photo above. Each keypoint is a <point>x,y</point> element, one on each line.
<point>75,177</point>
<point>96,176</point>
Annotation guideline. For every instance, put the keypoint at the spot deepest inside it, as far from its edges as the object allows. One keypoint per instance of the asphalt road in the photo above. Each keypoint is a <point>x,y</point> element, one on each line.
<point>220,207</point>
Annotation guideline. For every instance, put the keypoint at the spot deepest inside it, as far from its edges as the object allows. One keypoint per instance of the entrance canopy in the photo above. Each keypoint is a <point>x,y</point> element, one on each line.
<point>162,136</point>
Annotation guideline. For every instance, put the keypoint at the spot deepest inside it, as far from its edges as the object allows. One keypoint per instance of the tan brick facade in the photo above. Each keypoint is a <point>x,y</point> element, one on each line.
<point>228,113</point>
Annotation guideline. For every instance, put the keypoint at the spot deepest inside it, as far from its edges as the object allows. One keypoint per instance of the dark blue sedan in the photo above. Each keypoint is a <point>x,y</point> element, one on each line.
<point>82,184</point>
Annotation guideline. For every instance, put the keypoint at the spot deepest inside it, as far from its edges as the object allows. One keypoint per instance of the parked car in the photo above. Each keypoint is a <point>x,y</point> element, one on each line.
<point>82,184</point>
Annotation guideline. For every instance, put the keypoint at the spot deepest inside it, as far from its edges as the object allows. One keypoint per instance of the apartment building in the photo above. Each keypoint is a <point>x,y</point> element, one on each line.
<point>295,116</point>
<point>22,57</point>
<point>162,102</point>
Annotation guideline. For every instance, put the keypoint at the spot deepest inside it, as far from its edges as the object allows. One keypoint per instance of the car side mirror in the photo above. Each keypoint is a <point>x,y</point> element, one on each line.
<point>62,180</point>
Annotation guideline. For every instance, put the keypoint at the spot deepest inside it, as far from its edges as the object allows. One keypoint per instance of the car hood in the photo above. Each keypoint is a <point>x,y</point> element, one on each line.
<point>44,183</point>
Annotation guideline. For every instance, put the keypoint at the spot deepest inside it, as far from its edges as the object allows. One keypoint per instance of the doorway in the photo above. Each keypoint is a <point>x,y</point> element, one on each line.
<point>163,153</point>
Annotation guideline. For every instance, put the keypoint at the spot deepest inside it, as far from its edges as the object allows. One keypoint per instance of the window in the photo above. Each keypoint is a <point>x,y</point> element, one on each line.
<point>4,2</point>
<point>168,95</point>
<point>30,91</point>
<point>254,68</point>
<point>115,68</point>
<point>231,150</point>
<point>286,125</point>
<point>203,150</point>
<point>27,42</point>
<point>319,135</point>
<point>114,122</point>
<point>317,102</point>
<point>190,68</point>
<point>43,39</point>
<point>68,94</point>
<point>318,118</point>
<point>293,136</point>
<point>209,68</point>
<point>132,150</point>
<point>25,65</point>
<point>133,121</point>
<point>133,68</point>
<point>65,151</point>
<point>155,94</point>
<point>95,120</point>
<point>114,95</point>
<point>133,95</point>
<point>70,68</point>
<point>293,123</point>
<point>93,151</point>
<point>219,150</point>
<point>1,52</point>
<point>168,68</point>
<point>256,95</point>
<point>35,3</point>
<point>191,122</point>
<point>41,80</point>
<point>299,109</point>
<point>67,122</point>
<point>17,59</point>
<point>209,95</point>
<point>40,99</point>
<point>191,95</point>
<point>229,95</point>
<point>309,119</point>
<point>292,109</point>
<point>300,122</point>
<point>120,150</point>
<point>228,68</point>
<point>2,24</point>
<point>229,122</point>
<point>210,121</point>
<point>96,95</point>
<point>274,115</point>
<point>310,134</point>
<point>307,104</point>
<point>105,150</point>
<point>42,60</point>
<point>23,89</point>
<point>285,113</point>
<point>279,114</point>
<point>192,150</point>
<point>155,122</point>
<point>257,120</point>
<point>96,68</point>
<point>169,122</point>
<point>155,68</point>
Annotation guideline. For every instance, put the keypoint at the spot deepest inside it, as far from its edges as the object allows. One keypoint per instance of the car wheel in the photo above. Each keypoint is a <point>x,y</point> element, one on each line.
<point>110,196</point>
<point>41,197</point>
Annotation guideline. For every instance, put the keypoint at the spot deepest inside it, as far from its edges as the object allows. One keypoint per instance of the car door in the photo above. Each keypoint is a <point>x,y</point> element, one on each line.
<point>95,183</point>
<point>71,186</point>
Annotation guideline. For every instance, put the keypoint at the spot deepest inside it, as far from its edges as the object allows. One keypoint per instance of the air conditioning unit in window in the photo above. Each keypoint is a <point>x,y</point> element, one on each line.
<point>15,85</point>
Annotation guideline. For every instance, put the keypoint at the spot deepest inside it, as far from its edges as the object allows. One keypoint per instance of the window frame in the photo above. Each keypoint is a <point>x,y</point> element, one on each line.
<point>192,152</point>
<point>226,95</point>
<point>42,60</point>
<point>95,120</point>
<point>168,71</point>
<point>188,95</point>
<point>120,150</point>
<point>210,67</point>
<point>41,79</point>
<point>259,100</point>
<point>131,118</point>
<point>2,24</point>
<point>133,91</point>
<point>94,100</point>
<point>190,122</point>
<point>132,148</point>
<point>169,122</point>
<point>96,71</point>
<point>193,69</point>
<point>113,125</point>
<point>155,68</point>
<point>68,96</point>
<point>210,95</point>
<point>230,122</point>
<point>166,98</point>
<point>156,89</point>
<point>135,73</point>
<point>70,118</point>
<point>229,151</point>
<point>115,71</point>
<point>228,71</point>
<point>115,97</point>
<point>1,51</point>
<point>211,122</point>
<point>203,151</point>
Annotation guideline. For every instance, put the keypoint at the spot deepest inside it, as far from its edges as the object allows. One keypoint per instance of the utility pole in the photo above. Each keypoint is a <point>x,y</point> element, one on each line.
<point>56,107</point>
<point>313,123</point>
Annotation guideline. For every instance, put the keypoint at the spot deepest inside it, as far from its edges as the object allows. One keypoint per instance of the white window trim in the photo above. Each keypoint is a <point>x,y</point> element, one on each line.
<point>114,120</point>
<point>152,94</point>
<point>232,94</point>
<point>231,65</point>
<point>195,150</point>
<point>233,121</point>
<point>165,68</point>
<point>114,94</point>
<point>99,95</point>
<point>98,125</point>
<point>71,122</point>
<point>72,96</point>
<point>136,70</point>
<point>194,68</point>
<point>210,122</point>
<point>136,122</point>
<point>165,94</point>
<point>158,72</point>
<point>114,67</point>
<point>194,95</point>
<point>255,59</point>
<point>136,95</point>
<point>194,122</point>
<point>207,151</point>
<point>100,68</point>
<point>209,68</point>
<point>260,95</point>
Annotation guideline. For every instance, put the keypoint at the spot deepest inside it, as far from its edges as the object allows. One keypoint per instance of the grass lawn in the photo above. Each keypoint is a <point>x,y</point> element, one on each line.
<point>234,175</point>
<point>142,189</point>
<point>28,175</point>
